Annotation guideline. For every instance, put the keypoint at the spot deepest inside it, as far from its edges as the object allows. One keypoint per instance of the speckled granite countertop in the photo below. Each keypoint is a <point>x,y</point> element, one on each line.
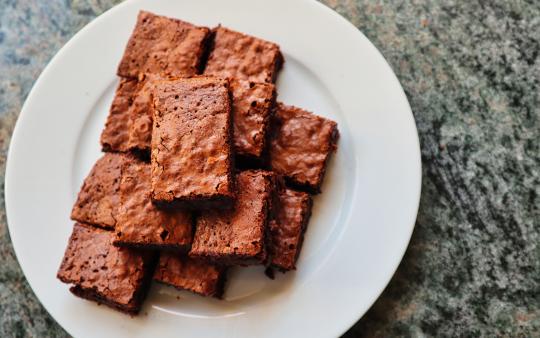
<point>471,70</point>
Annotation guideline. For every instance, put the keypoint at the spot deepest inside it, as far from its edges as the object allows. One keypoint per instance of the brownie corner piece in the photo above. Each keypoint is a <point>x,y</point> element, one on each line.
<point>287,228</point>
<point>98,199</point>
<point>191,153</point>
<point>189,274</point>
<point>237,55</point>
<point>238,236</point>
<point>101,272</point>
<point>163,45</point>
<point>139,223</point>
<point>301,144</point>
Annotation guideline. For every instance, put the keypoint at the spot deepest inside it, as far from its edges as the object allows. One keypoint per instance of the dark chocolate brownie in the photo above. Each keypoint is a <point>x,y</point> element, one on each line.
<point>288,226</point>
<point>162,45</point>
<point>129,124</point>
<point>239,235</point>
<point>244,57</point>
<point>99,271</point>
<point>139,223</point>
<point>300,145</point>
<point>140,115</point>
<point>192,159</point>
<point>98,198</point>
<point>252,108</point>
<point>190,274</point>
<point>116,133</point>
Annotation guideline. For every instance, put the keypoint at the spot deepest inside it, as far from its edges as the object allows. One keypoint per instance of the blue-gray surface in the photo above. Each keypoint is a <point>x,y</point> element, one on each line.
<point>471,70</point>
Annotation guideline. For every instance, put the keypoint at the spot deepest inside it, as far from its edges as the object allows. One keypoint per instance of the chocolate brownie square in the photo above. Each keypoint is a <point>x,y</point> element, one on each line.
<point>139,223</point>
<point>185,273</point>
<point>252,108</point>
<point>99,271</point>
<point>162,45</point>
<point>244,57</point>
<point>98,198</point>
<point>287,228</point>
<point>238,236</point>
<point>300,145</point>
<point>192,159</point>
<point>115,135</point>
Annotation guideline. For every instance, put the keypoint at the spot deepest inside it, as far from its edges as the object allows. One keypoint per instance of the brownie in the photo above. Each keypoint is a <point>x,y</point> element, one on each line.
<point>162,45</point>
<point>140,223</point>
<point>287,228</point>
<point>185,273</point>
<point>98,198</point>
<point>238,236</point>
<point>99,271</point>
<point>244,57</point>
<point>140,118</point>
<point>129,124</point>
<point>252,108</point>
<point>300,145</point>
<point>116,133</point>
<point>192,159</point>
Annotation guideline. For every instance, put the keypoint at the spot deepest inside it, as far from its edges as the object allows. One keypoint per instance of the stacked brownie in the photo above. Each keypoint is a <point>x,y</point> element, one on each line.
<point>202,169</point>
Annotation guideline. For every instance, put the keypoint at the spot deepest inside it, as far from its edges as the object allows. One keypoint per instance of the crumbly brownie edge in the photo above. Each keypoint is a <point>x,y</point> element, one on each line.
<point>91,295</point>
<point>184,248</point>
<point>307,206</point>
<point>231,260</point>
<point>218,292</point>
<point>215,202</point>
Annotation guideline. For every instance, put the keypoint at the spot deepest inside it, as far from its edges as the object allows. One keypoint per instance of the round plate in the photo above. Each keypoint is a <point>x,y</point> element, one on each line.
<point>361,224</point>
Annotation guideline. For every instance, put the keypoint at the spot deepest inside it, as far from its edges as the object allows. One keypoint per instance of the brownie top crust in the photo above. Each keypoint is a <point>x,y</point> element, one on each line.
<point>91,262</point>
<point>162,45</point>
<point>139,121</point>
<point>129,124</point>
<point>115,135</point>
<point>301,144</point>
<point>190,274</point>
<point>98,198</point>
<point>139,221</point>
<point>228,236</point>
<point>191,140</point>
<point>244,57</point>
<point>252,107</point>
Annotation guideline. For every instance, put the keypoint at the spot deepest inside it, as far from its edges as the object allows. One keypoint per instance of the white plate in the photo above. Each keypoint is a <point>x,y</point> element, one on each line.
<point>361,224</point>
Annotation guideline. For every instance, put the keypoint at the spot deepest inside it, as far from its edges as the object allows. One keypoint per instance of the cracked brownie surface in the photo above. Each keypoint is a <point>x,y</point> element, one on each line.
<point>98,198</point>
<point>191,154</point>
<point>139,222</point>
<point>99,271</point>
<point>165,46</point>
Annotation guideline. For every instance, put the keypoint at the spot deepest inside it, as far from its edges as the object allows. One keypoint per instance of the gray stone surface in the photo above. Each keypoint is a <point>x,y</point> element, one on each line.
<point>471,70</point>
